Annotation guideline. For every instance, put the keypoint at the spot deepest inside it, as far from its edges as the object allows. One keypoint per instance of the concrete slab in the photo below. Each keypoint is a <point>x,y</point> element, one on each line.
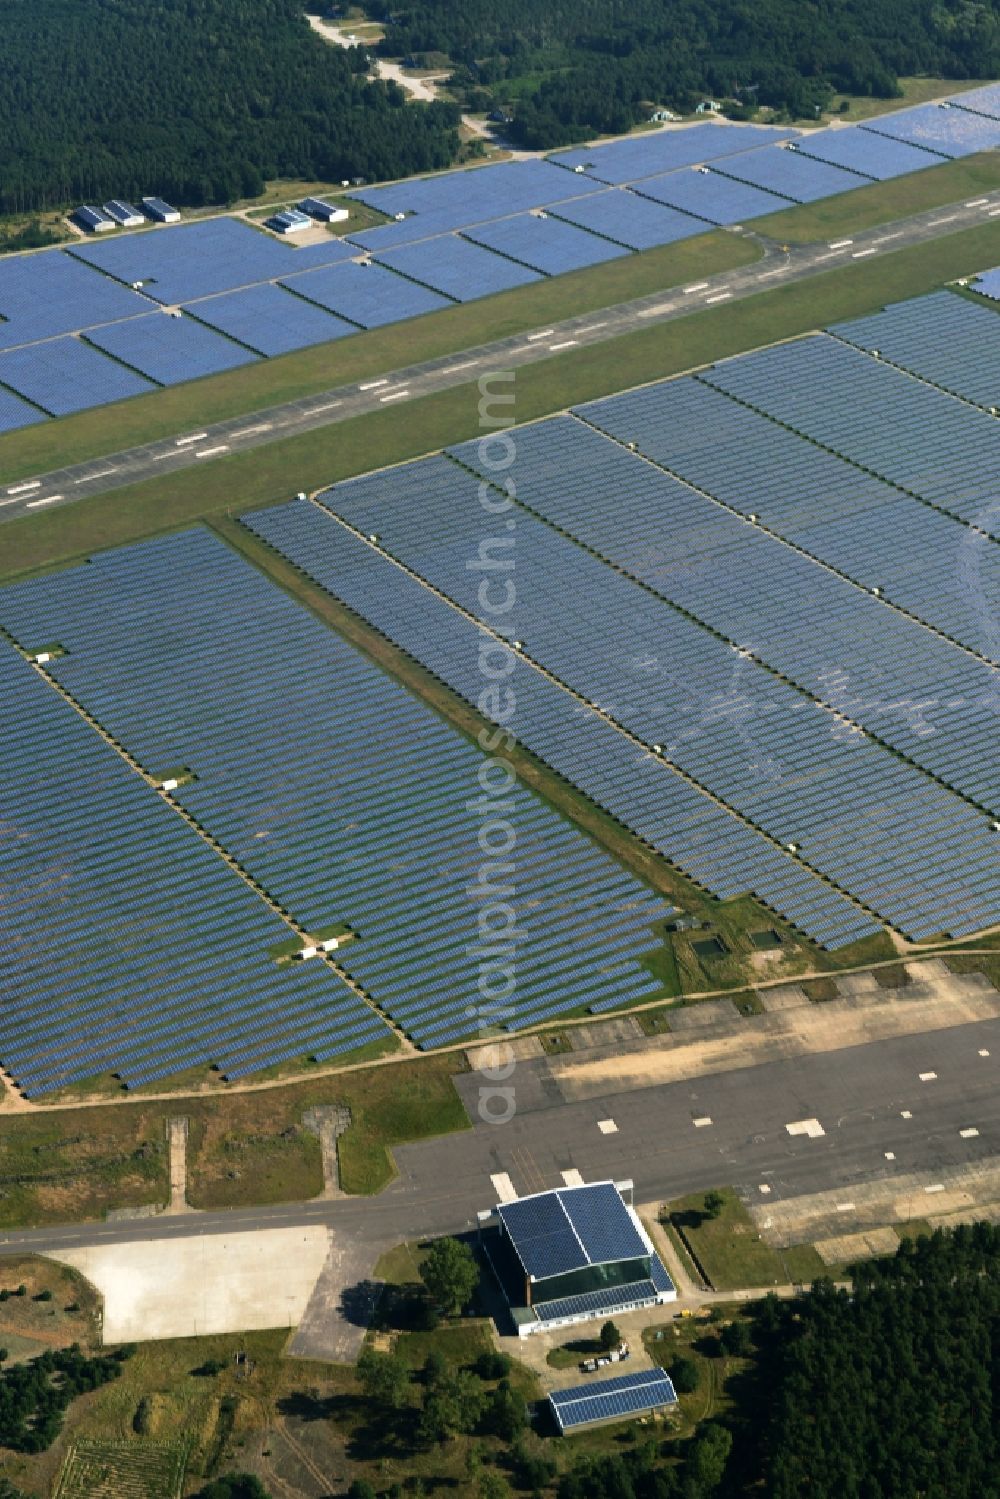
<point>842,1248</point>
<point>615,1032</point>
<point>187,1287</point>
<point>703,1015</point>
<point>783,997</point>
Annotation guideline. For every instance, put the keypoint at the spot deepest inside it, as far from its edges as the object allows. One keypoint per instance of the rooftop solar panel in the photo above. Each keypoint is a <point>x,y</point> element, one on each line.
<point>710,196</point>
<point>64,375</point>
<point>169,349</point>
<point>857,150</point>
<point>939,127</point>
<point>602,1223</point>
<point>628,219</point>
<point>457,268</point>
<point>269,319</point>
<point>179,263</point>
<point>368,296</point>
<point>612,1399</point>
<point>639,156</point>
<point>545,243</point>
<point>543,1236</point>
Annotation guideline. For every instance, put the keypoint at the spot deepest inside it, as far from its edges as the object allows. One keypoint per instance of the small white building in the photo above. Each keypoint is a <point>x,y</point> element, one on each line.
<point>289,221</point>
<point>124,214</point>
<point>94,220</point>
<point>327,213</point>
<point>156,208</point>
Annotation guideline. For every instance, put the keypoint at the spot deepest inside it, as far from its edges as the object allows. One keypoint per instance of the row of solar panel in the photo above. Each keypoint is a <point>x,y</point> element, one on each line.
<point>843,784</point>
<point>119,974</point>
<point>385,843</point>
<point>712,845</point>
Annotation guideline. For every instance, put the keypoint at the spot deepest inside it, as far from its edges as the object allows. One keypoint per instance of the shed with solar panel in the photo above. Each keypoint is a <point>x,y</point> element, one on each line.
<point>572,1254</point>
<point>629,1395</point>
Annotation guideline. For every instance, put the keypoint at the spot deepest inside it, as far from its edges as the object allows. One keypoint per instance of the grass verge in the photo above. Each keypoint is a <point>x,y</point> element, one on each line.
<point>730,1251</point>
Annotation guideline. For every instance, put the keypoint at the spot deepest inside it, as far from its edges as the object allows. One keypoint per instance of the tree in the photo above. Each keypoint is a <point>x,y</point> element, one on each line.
<point>684,1374</point>
<point>506,1413</point>
<point>450,1274</point>
<point>735,1339</point>
<point>609,1336</point>
<point>451,1405</point>
<point>384,1377</point>
<point>493,1486</point>
<point>493,1365</point>
<point>706,1460</point>
<point>361,1489</point>
<point>234,1486</point>
<point>714,1203</point>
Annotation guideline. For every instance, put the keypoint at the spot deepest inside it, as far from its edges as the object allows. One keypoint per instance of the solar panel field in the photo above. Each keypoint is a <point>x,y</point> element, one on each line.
<point>381,846</point>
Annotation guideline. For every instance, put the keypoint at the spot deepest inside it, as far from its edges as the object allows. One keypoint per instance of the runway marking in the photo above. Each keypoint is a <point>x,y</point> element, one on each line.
<point>655,311</point>
<point>25,488</point>
<point>374,384</point>
<point>328,405</point>
<point>567,343</point>
<point>703,1122</point>
<point>9,502</point>
<point>764,1189</point>
<point>845,1207</point>
<point>993,213</point>
<point>48,500</point>
<point>607,1126</point>
<point>828,255</point>
<point>182,442</point>
<point>779,270</point>
<point>810,1127</point>
<point>927,1077</point>
<point>890,1155</point>
<point>969,1134</point>
<point>504,1187</point>
<point>593,327</point>
<point>937,1187</point>
<point>544,333</point>
<point>949,219</point>
<point>572,1177</point>
<point>721,296</point>
<point>394,395</point>
<point>252,431</point>
<point>905,1114</point>
<point>860,254</point>
<point>222,447</point>
<point>90,478</point>
<point>698,286</point>
<point>840,244</point>
<point>983,1052</point>
<point>885,238</point>
<point>977,202</point>
<point>453,369</point>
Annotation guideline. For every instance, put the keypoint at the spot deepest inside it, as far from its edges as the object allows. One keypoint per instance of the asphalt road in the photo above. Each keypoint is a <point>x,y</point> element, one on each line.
<point>243,433</point>
<point>860,1095</point>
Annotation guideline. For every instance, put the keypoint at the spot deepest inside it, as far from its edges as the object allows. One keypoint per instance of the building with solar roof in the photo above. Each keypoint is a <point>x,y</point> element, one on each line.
<point>640,1394</point>
<point>572,1254</point>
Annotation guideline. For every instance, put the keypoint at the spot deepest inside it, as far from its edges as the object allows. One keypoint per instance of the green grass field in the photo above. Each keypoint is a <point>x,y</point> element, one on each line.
<point>732,1253</point>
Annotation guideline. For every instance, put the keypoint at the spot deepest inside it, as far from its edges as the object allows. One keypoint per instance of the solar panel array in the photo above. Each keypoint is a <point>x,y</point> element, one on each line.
<point>985,100</point>
<point>859,150</point>
<point>706,840</point>
<point>612,1399</point>
<point>15,413</point>
<point>43,295</point>
<point>640,156</point>
<point>65,374</point>
<point>168,349</point>
<point>790,174</point>
<point>595,1303</point>
<point>454,200</point>
<point>343,796</point>
<point>940,127</point>
<point>988,284</point>
<point>269,319</point>
<point>571,1228</point>
<point>368,295</point>
<point>924,696</point>
<point>544,243</point>
<point>186,261</point>
<point>628,219</point>
<point>845,517</point>
<point>457,268</point>
<point>711,196</point>
<point>946,339</point>
<point>130,946</point>
<point>924,440</point>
